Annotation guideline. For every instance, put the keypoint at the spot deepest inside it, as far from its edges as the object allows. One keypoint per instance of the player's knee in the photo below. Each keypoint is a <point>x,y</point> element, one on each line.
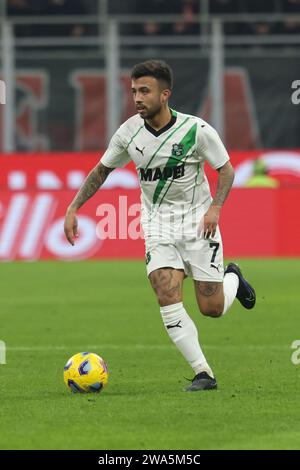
<point>164,299</point>
<point>212,310</point>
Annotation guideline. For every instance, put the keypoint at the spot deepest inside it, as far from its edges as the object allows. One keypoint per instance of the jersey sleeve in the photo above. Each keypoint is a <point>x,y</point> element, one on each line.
<point>210,147</point>
<point>116,155</point>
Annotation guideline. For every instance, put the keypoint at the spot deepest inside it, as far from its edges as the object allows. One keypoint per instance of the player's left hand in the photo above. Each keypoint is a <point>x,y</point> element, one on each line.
<point>210,221</point>
<point>71,226</point>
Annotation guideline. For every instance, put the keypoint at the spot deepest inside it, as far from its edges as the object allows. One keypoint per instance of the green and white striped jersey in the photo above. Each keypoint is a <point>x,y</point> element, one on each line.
<point>169,162</point>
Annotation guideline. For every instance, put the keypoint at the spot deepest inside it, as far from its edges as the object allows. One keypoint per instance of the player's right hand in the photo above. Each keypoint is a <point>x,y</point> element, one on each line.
<point>71,226</point>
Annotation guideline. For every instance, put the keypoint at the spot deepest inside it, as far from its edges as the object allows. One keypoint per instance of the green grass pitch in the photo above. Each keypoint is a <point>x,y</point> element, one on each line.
<point>51,310</point>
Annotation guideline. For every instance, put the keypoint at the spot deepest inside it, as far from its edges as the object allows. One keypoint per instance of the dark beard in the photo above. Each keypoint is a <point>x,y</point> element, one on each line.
<point>152,114</point>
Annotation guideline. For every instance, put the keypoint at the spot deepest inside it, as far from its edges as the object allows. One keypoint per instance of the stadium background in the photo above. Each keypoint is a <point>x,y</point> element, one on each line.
<point>65,65</point>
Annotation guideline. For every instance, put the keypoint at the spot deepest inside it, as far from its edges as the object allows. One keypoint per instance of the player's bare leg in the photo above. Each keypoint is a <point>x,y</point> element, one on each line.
<point>167,284</point>
<point>210,298</point>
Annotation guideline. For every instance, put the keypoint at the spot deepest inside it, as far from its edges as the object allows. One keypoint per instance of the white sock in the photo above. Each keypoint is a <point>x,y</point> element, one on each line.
<point>184,334</point>
<point>230,287</point>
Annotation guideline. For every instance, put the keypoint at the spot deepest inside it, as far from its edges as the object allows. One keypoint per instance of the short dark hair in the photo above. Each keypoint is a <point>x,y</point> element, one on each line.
<point>154,68</point>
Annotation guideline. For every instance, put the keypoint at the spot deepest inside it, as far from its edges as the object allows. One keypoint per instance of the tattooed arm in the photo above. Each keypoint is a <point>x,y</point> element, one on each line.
<point>211,218</point>
<point>90,186</point>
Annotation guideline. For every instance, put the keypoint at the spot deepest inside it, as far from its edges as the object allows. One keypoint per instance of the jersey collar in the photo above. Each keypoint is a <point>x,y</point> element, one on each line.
<point>165,128</point>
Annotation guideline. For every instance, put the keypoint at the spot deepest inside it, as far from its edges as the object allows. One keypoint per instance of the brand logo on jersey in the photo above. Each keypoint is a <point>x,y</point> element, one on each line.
<point>154,174</point>
<point>139,150</point>
<point>177,150</point>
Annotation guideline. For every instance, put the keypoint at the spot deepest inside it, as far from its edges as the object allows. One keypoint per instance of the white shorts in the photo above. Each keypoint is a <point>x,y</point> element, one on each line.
<point>200,259</point>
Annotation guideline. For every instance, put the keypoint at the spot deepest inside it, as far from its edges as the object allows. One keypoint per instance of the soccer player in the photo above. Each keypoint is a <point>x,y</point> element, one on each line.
<point>179,216</point>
